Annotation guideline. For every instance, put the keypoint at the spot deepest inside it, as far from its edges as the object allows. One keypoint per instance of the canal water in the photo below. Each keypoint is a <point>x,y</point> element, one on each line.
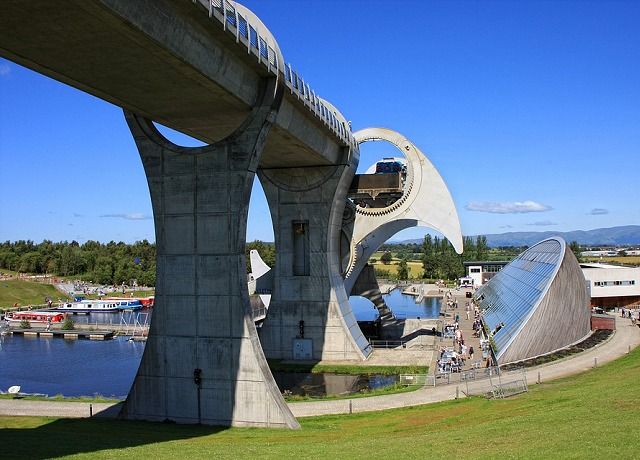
<point>69,367</point>
<point>403,306</point>
<point>86,368</point>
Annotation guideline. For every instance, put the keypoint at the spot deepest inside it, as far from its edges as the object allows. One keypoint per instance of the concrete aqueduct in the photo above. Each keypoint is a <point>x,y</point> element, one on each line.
<point>211,69</point>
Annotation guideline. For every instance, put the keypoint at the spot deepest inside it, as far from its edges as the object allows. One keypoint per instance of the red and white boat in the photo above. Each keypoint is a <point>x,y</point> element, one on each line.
<point>40,318</point>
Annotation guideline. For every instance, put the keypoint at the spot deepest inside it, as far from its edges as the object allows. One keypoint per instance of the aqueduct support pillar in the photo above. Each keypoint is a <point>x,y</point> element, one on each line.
<point>203,362</point>
<point>309,315</point>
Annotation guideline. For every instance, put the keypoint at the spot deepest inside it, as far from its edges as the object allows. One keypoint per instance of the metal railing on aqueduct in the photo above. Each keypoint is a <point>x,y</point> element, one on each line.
<point>248,36</point>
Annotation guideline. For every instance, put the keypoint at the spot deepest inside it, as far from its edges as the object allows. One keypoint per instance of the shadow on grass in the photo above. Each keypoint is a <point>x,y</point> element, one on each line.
<point>42,437</point>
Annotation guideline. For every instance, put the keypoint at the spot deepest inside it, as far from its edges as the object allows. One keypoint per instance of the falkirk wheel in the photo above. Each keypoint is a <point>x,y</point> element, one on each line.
<point>374,213</point>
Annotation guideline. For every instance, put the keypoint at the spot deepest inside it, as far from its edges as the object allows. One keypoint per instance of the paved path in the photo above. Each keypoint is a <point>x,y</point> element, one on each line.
<point>626,337</point>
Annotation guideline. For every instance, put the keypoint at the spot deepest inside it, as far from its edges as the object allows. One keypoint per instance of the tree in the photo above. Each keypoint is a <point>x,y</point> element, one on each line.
<point>482,249</point>
<point>403,270</point>
<point>30,262</point>
<point>103,270</point>
<point>428,258</point>
<point>386,258</point>
<point>575,248</point>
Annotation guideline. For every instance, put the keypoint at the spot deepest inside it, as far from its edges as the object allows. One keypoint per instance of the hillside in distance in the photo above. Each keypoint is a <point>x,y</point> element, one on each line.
<point>613,236</point>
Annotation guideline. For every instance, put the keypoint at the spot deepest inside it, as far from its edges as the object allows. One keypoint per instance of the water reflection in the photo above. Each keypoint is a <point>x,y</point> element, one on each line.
<point>403,306</point>
<point>69,367</point>
<point>317,385</point>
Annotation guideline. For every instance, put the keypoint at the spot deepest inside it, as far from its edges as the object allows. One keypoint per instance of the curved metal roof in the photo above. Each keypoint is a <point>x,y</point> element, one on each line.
<point>512,295</point>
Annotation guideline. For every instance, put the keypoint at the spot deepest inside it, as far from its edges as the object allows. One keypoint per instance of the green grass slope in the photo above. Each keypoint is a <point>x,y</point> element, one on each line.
<point>26,293</point>
<point>593,415</point>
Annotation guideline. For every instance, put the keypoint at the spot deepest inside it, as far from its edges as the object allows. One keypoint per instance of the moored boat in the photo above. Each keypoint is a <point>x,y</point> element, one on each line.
<point>34,317</point>
<point>146,302</point>
<point>100,306</point>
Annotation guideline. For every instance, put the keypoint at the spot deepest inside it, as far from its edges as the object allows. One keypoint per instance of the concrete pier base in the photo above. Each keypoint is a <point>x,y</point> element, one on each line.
<point>309,316</point>
<point>203,362</point>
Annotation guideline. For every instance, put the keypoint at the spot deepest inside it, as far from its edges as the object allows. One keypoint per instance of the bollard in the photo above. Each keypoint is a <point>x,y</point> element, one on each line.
<point>538,377</point>
<point>457,392</point>
<point>90,410</point>
<point>350,407</point>
<point>595,362</point>
<point>629,349</point>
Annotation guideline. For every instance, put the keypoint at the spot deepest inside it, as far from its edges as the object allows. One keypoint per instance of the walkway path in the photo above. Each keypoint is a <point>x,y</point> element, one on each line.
<point>626,337</point>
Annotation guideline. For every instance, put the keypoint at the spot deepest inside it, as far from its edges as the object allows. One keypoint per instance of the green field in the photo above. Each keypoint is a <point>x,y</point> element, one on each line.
<point>415,268</point>
<point>26,293</point>
<point>625,260</point>
<point>593,415</point>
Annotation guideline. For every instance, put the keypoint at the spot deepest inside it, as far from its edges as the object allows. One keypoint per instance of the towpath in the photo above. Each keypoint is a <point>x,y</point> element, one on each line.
<point>627,337</point>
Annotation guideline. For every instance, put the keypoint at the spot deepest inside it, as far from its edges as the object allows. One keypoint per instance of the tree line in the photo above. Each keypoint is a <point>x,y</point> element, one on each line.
<point>110,264</point>
<point>102,263</point>
<point>438,257</point>
<point>117,263</point>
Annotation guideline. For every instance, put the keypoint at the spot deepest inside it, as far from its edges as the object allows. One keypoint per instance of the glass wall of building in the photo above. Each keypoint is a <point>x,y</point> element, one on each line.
<point>510,297</point>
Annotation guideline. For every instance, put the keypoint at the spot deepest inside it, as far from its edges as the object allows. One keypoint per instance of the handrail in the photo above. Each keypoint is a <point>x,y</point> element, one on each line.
<point>248,36</point>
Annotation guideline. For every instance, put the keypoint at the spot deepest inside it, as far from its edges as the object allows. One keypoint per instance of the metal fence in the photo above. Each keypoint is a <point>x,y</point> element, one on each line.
<point>489,382</point>
<point>421,342</point>
<point>413,379</point>
<point>264,50</point>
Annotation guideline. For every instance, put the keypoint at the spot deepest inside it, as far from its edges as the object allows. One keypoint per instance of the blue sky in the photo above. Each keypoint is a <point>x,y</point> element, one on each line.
<point>529,110</point>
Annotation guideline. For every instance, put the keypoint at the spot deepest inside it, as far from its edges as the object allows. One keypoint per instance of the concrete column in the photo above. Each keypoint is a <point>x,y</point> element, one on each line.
<point>306,208</point>
<point>367,286</point>
<point>202,316</point>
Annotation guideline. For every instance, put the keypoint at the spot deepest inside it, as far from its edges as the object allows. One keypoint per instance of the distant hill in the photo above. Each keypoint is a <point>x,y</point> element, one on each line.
<point>613,236</point>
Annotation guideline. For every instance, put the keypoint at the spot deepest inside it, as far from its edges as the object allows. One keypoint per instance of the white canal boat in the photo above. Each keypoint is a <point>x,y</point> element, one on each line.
<point>99,306</point>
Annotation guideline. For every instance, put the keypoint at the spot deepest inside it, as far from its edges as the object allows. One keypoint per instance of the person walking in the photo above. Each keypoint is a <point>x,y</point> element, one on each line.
<point>470,353</point>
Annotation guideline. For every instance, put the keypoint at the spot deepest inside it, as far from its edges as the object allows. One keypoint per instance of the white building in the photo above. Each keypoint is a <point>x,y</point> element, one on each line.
<point>609,286</point>
<point>612,286</point>
<point>482,271</point>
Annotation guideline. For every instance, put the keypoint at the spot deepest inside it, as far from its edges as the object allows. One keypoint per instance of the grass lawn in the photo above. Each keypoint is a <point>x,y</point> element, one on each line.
<point>26,293</point>
<point>593,415</point>
<point>415,268</point>
<point>314,368</point>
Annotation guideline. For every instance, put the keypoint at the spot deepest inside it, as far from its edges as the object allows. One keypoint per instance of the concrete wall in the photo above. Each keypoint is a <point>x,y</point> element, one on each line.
<point>202,315</point>
<point>315,196</point>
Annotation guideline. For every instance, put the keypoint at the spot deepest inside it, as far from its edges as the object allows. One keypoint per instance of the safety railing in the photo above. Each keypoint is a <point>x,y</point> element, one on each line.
<point>490,382</point>
<point>423,342</point>
<point>409,380</point>
<point>248,36</point>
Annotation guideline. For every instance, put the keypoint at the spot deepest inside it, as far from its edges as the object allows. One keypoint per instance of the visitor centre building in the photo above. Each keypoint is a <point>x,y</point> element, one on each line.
<point>536,304</point>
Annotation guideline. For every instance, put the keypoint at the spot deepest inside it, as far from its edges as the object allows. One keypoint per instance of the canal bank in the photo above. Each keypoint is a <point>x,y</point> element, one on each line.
<point>626,337</point>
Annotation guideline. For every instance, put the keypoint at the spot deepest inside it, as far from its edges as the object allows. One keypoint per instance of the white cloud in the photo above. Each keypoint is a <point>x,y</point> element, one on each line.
<point>132,216</point>
<point>4,69</point>
<point>599,211</point>
<point>516,207</point>
<point>544,223</point>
